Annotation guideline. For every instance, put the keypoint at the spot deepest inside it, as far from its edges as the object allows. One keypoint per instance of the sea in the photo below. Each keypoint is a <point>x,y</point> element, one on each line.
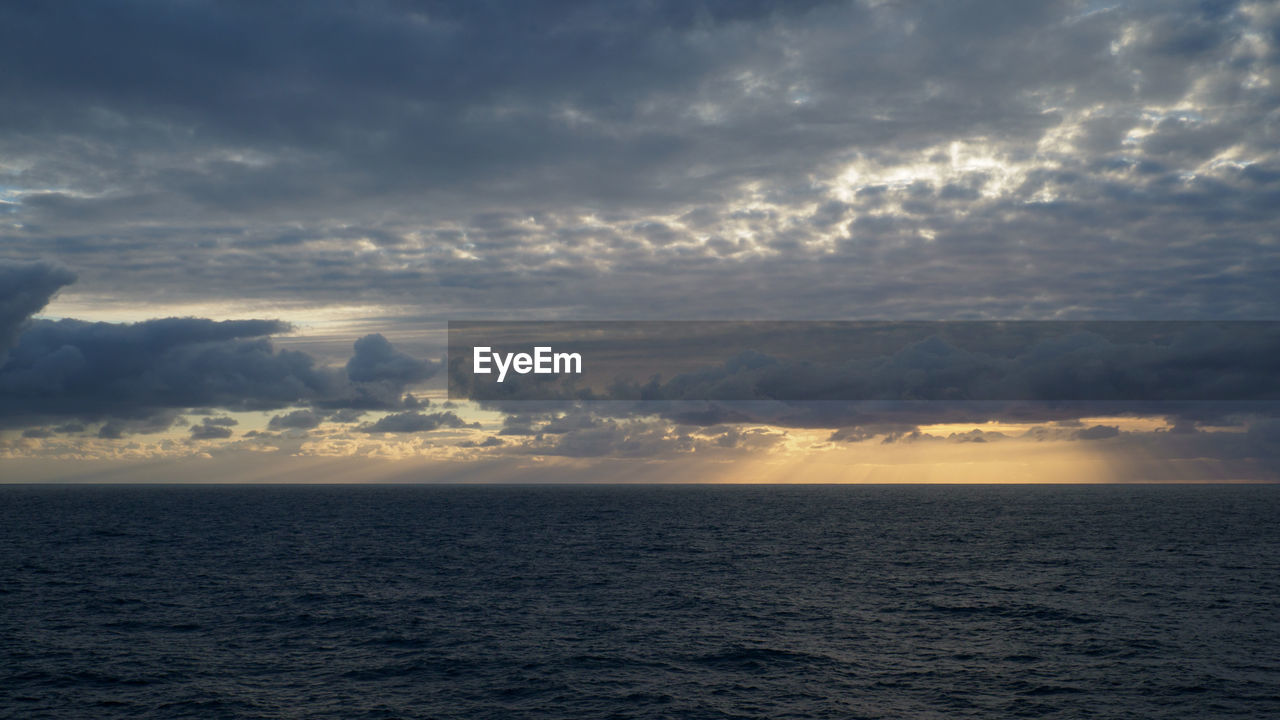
<point>617,601</point>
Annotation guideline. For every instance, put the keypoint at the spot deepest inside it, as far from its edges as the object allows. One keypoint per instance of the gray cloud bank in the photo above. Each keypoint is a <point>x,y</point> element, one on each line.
<point>140,375</point>
<point>70,377</point>
<point>1134,362</point>
<point>24,289</point>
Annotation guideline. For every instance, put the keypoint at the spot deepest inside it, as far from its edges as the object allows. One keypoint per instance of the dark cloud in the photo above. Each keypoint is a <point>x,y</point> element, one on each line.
<point>94,371</point>
<point>210,432</point>
<point>375,360</point>
<point>213,429</point>
<point>415,422</point>
<point>298,419</point>
<point>111,431</point>
<point>137,376</point>
<point>346,415</point>
<point>863,432</point>
<point>492,441</point>
<point>1098,432</point>
<point>24,289</point>
<point>517,423</point>
<point>1185,363</point>
<point>98,370</point>
<point>728,364</point>
<point>154,421</point>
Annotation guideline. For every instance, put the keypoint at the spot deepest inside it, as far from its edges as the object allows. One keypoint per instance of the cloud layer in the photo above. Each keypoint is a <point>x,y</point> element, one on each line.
<point>665,160</point>
<point>428,160</point>
<point>140,375</point>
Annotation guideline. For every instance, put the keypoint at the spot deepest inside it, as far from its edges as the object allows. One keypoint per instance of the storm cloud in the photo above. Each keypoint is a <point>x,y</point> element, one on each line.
<point>24,289</point>
<point>138,375</point>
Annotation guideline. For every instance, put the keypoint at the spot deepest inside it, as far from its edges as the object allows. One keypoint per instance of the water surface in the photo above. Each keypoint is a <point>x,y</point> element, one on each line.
<point>639,602</point>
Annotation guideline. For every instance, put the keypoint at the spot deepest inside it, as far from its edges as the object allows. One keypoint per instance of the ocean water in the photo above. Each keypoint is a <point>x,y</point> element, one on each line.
<point>639,602</point>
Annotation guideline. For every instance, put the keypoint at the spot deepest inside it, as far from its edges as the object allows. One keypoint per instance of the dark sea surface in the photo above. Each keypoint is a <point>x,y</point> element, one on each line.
<point>640,602</point>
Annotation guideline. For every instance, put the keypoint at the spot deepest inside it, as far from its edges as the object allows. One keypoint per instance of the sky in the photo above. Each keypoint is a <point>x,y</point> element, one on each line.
<point>232,234</point>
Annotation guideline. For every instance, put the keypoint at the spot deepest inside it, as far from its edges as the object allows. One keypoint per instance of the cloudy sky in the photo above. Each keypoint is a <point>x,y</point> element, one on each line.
<point>231,233</point>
